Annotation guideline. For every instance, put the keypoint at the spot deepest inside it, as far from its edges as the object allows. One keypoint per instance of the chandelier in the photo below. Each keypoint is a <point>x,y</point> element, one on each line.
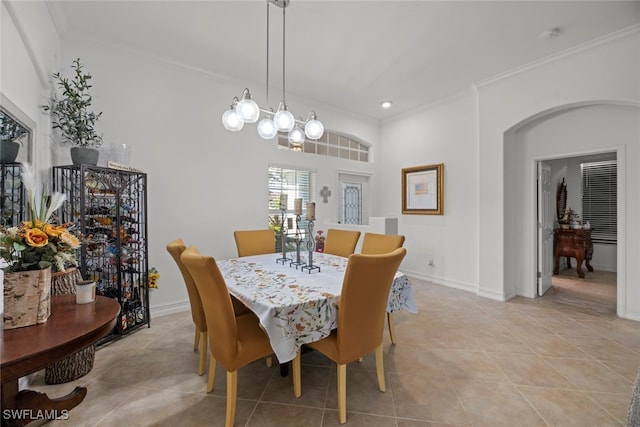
<point>246,110</point>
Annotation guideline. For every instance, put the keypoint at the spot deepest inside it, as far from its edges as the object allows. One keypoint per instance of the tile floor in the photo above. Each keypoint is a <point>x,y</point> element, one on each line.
<point>561,360</point>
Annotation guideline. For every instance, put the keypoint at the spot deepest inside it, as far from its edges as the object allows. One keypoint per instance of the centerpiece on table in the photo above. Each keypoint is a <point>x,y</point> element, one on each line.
<point>73,117</point>
<point>29,252</point>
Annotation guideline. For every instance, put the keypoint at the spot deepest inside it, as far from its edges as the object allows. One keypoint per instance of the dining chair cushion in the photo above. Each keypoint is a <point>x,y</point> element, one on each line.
<point>255,242</point>
<point>374,243</point>
<point>341,242</point>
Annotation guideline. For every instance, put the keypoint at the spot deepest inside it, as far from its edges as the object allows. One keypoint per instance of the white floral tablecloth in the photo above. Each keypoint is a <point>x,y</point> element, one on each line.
<point>295,306</point>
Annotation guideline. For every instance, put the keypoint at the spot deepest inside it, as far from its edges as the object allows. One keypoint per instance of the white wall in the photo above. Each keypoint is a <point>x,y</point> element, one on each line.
<point>203,181</point>
<point>22,57</point>
<point>29,46</point>
<point>444,133</point>
<point>610,72</point>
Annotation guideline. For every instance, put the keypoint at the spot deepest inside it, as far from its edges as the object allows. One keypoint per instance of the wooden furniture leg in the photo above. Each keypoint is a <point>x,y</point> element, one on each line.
<point>28,405</point>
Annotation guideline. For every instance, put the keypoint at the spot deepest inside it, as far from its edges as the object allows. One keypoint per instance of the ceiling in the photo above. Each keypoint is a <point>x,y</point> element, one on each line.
<point>349,54</point>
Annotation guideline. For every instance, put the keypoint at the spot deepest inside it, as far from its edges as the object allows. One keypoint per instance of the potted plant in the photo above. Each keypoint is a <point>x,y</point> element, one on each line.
<point>11,133</point>
<point>72,115</point>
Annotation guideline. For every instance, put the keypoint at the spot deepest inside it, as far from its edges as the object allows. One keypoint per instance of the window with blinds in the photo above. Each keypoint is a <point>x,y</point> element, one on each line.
<point>599,199</point>
<point>296,184</point>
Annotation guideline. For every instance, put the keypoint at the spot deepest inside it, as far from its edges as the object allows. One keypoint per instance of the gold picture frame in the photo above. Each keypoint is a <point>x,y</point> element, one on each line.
<point>423,190</point>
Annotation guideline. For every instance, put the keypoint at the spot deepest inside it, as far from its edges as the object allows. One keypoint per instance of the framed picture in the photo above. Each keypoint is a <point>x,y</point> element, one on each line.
<point>422,190</point>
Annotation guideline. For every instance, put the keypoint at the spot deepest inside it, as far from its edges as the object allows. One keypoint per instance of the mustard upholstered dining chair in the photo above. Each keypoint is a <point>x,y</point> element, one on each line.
<point>374,243</point>
<point>234,341</point>
<point>365,291</point>
<point>175,248</point>
<point>255,242</point>
<point>341,242</point>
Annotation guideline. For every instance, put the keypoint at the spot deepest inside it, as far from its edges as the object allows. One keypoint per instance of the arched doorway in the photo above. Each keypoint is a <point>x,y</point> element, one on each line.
<point>566,131</point>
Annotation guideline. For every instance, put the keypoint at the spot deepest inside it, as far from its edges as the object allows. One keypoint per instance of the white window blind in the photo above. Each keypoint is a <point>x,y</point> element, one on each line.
<point>296,184</point>
<point>599,199</point>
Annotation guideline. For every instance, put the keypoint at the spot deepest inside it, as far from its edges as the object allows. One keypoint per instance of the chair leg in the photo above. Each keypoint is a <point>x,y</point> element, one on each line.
<point>342,393</point>
<point>196,340</point>
<point>232,390</point>
<point>212,373</point>
<point>204,348</point>
<point>297,386</point>
<point>392,331</point>
<point>380,369</point>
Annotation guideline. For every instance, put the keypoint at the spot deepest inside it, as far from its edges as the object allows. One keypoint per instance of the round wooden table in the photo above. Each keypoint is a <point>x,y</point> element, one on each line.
<point>26,350</point>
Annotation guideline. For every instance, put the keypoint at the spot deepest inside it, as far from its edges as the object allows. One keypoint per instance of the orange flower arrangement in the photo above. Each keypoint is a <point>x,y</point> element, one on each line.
<point>37,244</point>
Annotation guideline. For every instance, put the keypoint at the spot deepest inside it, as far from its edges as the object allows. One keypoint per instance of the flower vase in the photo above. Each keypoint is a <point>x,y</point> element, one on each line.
<point>27,298</point>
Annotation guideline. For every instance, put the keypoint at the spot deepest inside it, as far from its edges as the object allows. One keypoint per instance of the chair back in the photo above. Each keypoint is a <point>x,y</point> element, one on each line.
<point>255,242</point>
<point>216,301</point>
<point>374,243</point>
<point>363,302</point>
<point>341,242</point>
<point>175,248</point>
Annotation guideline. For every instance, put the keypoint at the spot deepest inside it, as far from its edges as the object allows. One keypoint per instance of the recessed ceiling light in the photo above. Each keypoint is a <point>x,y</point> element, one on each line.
<point>386,104</point>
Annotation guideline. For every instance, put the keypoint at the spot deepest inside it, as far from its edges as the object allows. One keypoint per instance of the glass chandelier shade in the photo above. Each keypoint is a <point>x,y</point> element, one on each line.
<point>314,127</point>
<point>296,136</point>
<point>247,109</point>
<point>283,119</point>
<point>231,121</point>
<point>267,129</point>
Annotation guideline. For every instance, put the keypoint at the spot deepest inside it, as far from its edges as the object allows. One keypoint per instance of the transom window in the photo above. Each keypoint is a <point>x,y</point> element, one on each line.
<point>330,144</point>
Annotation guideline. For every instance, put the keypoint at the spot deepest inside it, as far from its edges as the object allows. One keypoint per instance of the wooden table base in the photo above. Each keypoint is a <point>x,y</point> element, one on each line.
<point>22,407</point>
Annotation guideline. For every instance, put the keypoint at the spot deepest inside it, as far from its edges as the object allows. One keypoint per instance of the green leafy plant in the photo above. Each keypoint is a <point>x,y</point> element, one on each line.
<point>10,129</point>
<point>71,113</point>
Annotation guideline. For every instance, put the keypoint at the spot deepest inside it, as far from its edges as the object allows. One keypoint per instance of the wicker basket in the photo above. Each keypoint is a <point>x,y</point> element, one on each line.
<point>79,363</point>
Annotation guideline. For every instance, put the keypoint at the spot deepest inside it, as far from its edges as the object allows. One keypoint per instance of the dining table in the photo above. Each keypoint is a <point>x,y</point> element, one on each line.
<point>295,304</point>
<point>26,350</point>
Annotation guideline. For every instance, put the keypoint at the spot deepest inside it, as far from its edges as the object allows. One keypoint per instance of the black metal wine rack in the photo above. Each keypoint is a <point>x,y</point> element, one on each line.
<point>109,208</point>
<point>12,195</point>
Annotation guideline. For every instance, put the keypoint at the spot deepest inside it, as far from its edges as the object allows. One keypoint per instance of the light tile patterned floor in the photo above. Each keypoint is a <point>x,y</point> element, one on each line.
<point>561,360</point>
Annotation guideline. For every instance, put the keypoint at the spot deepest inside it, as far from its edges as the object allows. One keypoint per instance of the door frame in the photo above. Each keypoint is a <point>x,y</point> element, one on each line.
<point>621,302</point>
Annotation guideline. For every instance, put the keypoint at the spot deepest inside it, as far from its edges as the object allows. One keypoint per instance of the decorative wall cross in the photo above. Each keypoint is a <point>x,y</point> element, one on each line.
<point>325,193</point>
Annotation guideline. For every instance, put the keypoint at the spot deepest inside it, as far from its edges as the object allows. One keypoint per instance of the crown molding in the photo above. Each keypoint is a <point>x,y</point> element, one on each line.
<point>629,32</point>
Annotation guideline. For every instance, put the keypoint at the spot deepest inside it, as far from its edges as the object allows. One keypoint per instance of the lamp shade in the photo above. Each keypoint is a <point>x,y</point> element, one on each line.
<point>247,110</point>
<point>283,119</point>
<point>266,128</point>
<point>314,129</point>
<point>231,121</point>
<point>296,136</point>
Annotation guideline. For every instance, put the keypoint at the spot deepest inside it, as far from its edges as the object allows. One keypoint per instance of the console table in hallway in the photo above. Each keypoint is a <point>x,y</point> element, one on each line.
<point>573,243</point>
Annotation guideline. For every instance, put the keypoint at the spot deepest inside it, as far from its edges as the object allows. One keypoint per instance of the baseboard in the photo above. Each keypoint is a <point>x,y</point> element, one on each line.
<point>169,308</point>
<point>468,287</point>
